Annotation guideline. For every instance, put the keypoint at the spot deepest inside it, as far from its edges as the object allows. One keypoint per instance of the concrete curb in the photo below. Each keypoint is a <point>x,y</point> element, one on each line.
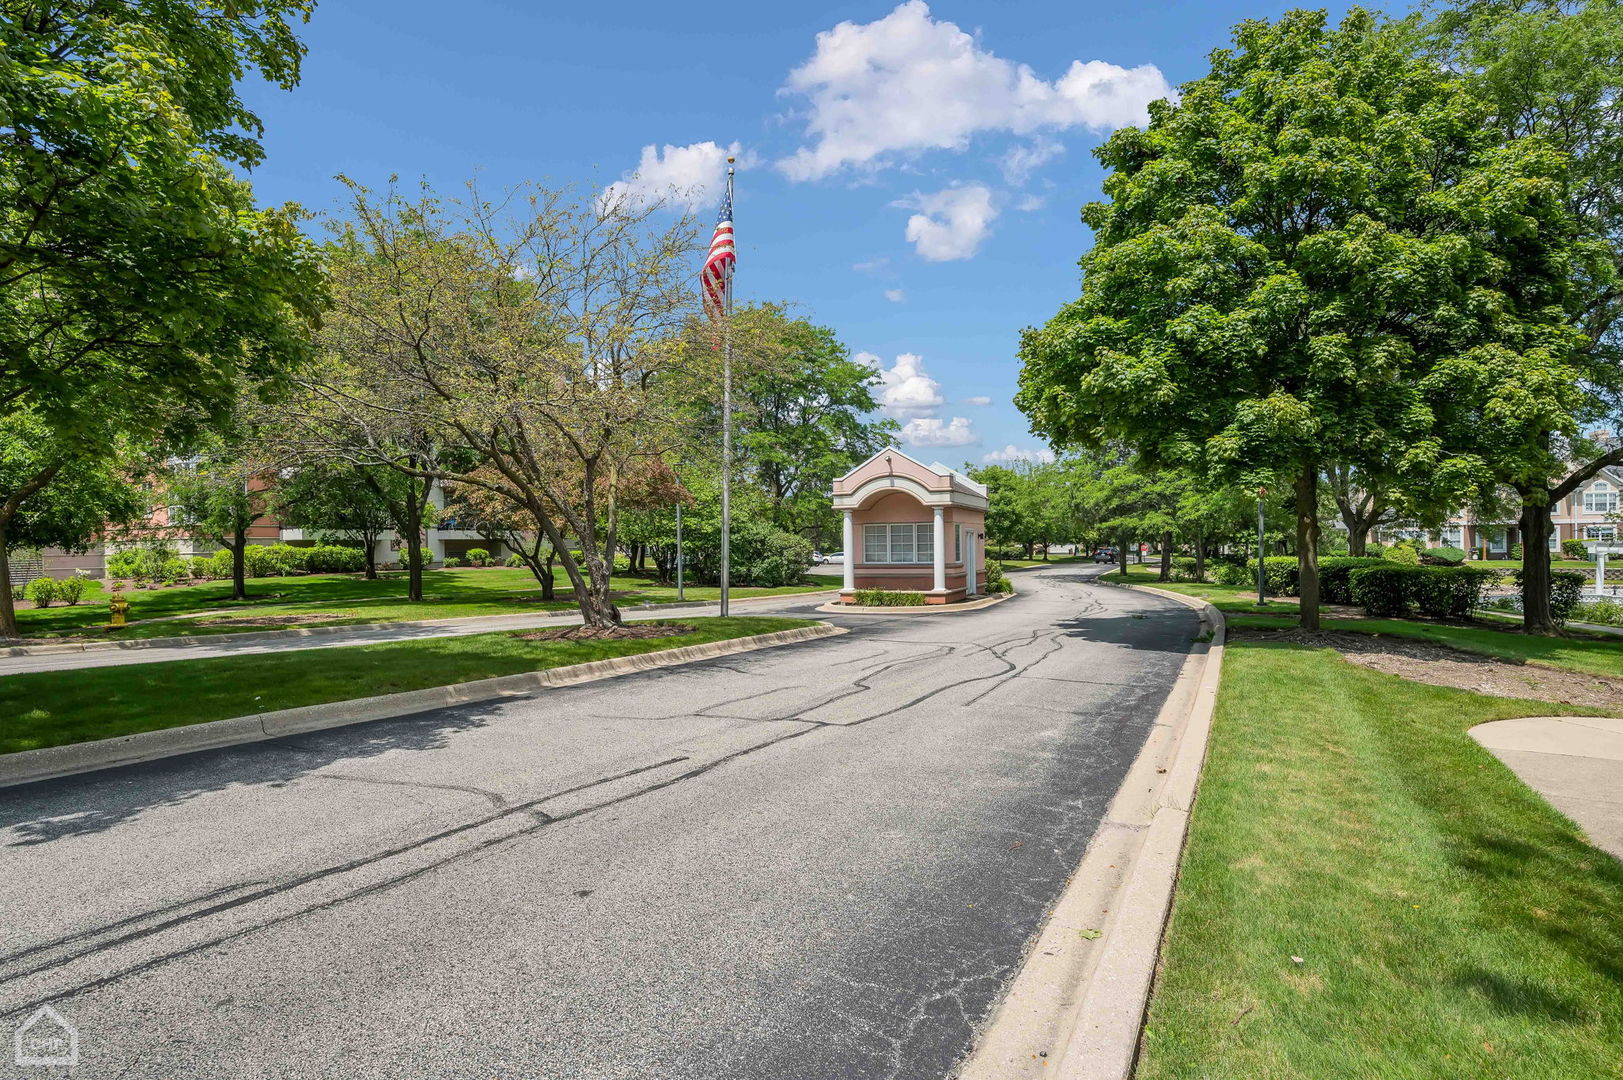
<point>318,631</point>
<point>28,766</point>
<point>1076,1008</point>
<point>920,609</point>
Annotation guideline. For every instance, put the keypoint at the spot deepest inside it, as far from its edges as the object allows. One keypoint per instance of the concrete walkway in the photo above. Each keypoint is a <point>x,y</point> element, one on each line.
<point>1576,762</point>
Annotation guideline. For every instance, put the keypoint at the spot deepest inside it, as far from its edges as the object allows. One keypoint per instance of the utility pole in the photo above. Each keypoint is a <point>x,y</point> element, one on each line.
<point>679,553</point>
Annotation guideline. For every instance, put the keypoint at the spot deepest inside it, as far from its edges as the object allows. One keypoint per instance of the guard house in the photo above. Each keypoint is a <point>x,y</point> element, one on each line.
<point>912,526</point>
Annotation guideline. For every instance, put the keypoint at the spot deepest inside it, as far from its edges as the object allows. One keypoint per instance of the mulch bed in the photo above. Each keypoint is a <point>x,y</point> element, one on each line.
<point>1439,665</point>
<point>607,633</point>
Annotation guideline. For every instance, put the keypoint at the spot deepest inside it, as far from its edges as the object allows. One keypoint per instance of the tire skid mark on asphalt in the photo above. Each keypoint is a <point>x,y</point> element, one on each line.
<point>11,958</point>
<point>289,884</point>
<point>496,799</point>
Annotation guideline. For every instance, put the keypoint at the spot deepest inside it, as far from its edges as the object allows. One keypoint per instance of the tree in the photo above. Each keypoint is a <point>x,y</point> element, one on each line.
<point>501,521</point>
<point>1288,254</point>
<point>218,495</point>
<point>539,338</point>
<point>340,498</point>
<point>135,269</point>
<point>1552,72</point>
<point>51,496</point>
<point>802,407</point>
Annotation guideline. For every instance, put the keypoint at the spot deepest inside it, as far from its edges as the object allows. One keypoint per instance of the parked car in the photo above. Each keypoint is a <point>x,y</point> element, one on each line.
<point>1105,554</point>
<point>831,557</point>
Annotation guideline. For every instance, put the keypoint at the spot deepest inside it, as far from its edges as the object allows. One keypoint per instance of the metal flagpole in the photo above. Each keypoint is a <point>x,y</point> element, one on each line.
<point>727,418</point>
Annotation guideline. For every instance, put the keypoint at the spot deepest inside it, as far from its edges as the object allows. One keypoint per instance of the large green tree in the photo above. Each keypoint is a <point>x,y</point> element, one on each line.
<point>1285,256</point>
<point>1551,71</point>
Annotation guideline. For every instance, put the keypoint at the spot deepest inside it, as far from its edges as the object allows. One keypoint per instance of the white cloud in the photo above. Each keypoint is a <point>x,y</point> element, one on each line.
<point>691,176</point>
<point>905,389</point>
<point>1029,203</point>
<point>872,266</point>
<point>978,399</point>
<point>907,83</point>
<point>1019,163</point>
<point>934,431</point>
<point>952,222</point>
<point>896,296</point>
<point>1013,453</point>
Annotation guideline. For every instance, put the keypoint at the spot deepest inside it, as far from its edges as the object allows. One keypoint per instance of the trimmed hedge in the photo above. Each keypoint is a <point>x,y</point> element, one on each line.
<point>1575,549</point>
<point>1441,592</point>
<point>1445,555</point>
<point>1334,584</point>
<point>888,598</point>
<point>1183,569</point>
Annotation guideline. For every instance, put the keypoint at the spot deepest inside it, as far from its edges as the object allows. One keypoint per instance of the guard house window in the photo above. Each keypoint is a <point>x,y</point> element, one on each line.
<point>957,543</point>
<point>903,543</point>
<point>1601,498</point>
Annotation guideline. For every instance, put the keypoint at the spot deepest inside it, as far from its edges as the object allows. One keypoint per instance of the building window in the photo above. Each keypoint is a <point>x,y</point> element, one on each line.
<point>1601,498</point>
<point>1600,532</point>
<point>1494,539</point>
<point>957,543</point>
<point>1452,537</point>
<point>903,543</point>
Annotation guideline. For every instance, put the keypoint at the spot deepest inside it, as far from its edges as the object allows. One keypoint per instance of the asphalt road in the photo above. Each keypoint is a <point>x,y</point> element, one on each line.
<point>817,862</point>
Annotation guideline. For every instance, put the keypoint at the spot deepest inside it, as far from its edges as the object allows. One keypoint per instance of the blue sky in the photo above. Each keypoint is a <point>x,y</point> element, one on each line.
<point>913,172</point>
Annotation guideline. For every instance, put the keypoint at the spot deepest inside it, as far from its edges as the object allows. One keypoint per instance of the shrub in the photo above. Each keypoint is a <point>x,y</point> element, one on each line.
<point>172,571</point>
<point>1606,611</point>
<point>996,580</point>
<point>403,561</point>
<point>1566,591</point>
<point>42,591</point>
<point>69,590</point>
<point>334,559</point>
<point>1445,556</point>
<point>1374,549</point>
<point>514,562</point>
<point>220,564</point>
<point>200,568</point>
<point>1335,576</point>
<point>1443,592</point>
<point>451,562</point>
<point>1515,553</point>
<point>1575,549</point>
<point>888,598</point>
<point>477,557</point>
<point>1183,569</point>
<point>140,563</point>
<point>769,557</point>
<point>1279,572</point>
<point>1451,592</point>
<point>1237,575</point>
<point>1384,590</point>
<point>1402,554</point>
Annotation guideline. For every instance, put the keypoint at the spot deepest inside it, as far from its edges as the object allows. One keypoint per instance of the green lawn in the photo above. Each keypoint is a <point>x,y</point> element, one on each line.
<point>57,707</point>
<point>1223,597</point>
<point>346,599</point>
<point>1449,922</point>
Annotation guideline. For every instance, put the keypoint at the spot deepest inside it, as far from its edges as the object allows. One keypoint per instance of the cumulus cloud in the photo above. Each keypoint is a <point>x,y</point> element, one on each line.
<point>1029,203</point>
<point>896,296</point>
<point>693,176</point>
<point>907,83</point>
<point>951,223</point>
<point>905,389</point>
<point>934,431</point>
<point>1012,453</point>
<point>978,399</point>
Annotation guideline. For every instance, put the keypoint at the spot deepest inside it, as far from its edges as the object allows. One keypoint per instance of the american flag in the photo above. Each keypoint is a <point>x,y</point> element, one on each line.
<point>717,275</point>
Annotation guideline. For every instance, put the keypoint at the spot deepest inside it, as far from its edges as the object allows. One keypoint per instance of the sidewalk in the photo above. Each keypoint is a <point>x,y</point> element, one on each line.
<point>1575,762</point>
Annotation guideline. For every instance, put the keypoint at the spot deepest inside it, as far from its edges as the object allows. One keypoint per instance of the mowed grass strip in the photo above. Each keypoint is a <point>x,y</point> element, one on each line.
<point>53,708</point>
<point>1594,654</point>
<point>1222,597</point>
<point>1449,922</point>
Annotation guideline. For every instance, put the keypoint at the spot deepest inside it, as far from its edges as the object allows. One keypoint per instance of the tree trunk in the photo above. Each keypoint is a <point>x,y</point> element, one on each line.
<point>1356,543</point>
<point>1537,617</point>
<point>371,542</point>
<point>239,565</point>
<point>549,584</point>
<point>1121,554</point>
<point>1200,556</point>
<point>8,608</point>
<point>597,609</point>
<point>1166,556</point>
<point>1307,544</point>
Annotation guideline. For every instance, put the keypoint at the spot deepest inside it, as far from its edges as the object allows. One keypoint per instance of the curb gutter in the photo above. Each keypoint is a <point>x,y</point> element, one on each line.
<point>28,766</point>
<point>318,631</point>
<point>1076,1008</point>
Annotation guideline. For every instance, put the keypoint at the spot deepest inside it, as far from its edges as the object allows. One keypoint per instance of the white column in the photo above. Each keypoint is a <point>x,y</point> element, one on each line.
<point>850,553</point>
<point>940,544</point>
<point>1600,573</point>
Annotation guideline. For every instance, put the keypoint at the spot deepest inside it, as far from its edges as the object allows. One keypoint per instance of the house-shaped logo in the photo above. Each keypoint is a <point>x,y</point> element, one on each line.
<point>47,1039</point>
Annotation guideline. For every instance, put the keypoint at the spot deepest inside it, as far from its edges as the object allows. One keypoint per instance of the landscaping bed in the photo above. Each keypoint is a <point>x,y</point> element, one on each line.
<point>628,632</point>
<point>1440,665</point>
